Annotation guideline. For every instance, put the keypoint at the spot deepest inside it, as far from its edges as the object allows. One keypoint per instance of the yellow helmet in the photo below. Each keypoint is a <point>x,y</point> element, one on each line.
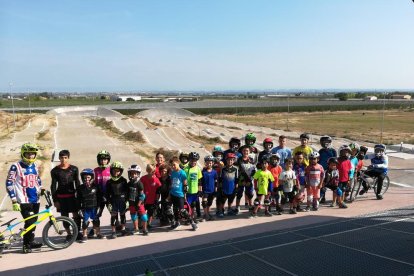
<point>26,148</point>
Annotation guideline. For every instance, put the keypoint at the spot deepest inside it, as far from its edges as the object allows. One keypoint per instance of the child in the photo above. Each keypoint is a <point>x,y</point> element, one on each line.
<point>159,160</point>
<point>218,157</point>
<point>326,152</point>
<point>116,192</point>
<point>167,214</point>
<point>151,189</point>
<point>263,179</point>
<point>267,147</point>
<point>314,175</point>
<point>299,169</point>
<point>177,193</point>
<point>234,145</point>
<point>88,195</point>
<point>136,199</point>
<point>354,162</point>
<point>290,185</point>
<point>209,186</point>
<point>249,141</point>
<point>275,169</point>
<point>378,168</point>
<point>228,183</point>
<point>331,180</point>
<point>344,168</point>
<point>184,160</point>
<point>304,148</point>
<point>194,176</point>
<point>247,170</point>
<point>283,151</point>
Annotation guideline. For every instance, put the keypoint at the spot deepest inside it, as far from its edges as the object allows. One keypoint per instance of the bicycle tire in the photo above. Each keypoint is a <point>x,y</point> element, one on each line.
<point>355,190</point>
<point>385,185</point>
<point>59,240</point>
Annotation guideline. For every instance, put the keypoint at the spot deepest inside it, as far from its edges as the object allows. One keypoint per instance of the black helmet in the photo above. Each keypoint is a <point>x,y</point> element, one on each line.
<point>193,156</point>
<point>304,136</point>
<point>234,140</point>
<point>333,160</point>
<point>265,158</point>
<point>182,156</point>
<point>325,140</point>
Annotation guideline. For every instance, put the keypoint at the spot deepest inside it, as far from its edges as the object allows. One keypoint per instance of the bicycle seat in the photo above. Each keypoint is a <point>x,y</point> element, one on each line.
<point>8,223</point>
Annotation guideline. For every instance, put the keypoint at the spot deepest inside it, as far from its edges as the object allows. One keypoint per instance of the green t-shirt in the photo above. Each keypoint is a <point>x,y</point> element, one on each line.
<point>193,175</point>
<point>263,178</point>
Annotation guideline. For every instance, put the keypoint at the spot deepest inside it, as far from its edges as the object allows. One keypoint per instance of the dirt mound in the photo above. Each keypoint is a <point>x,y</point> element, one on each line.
<point>85,111</point>
<point>165,112</point>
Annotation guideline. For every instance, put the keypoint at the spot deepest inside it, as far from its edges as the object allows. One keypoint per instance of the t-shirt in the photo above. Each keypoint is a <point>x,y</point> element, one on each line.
<point>314,174</point>
<point>324,155</point>
<point>354,163</point>
<point>306,152</point>
<point>344,167</point>
<point>228,179</point>
<point>246,171</point>
<point>300,173</point>
<point>275,171</point>
<point>102,175</point>
<point>263,178</point>
<point>209,181</point>
<point>151,185</point>
<point>177,181</point>
<point>284,154</point>
<point>331,178</point>
<point>193,175</point>
<point>287,179</point>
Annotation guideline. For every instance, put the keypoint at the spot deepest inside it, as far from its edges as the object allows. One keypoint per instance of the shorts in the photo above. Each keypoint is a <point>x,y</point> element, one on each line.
<point>134,209</point>
<point>118,205</point>
<point>150,209</point>
<point>89,214</point>
<point>343,186</point>
<point>224,197</point>
<point>248,191</point>
<point>192,198</point>
<point>209,198</point>
<point>68,205</point>
<point>313,191</point>
<point>289,195</point>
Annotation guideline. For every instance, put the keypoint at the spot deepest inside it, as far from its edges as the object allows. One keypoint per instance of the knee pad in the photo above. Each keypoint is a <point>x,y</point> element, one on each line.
<point>123,219</point>
<point>113,219</point>
<point>338,192</point>
<point>85,225</point>
<point>256,202</point>
<point>184,213</point>
<point>266,202</point>
<point>249,195</point>
<point>134,217</point>
<point>96,223</point>
<point>193,204</point>
<point>144,218</point>
<point>204,203</point>
<point>310,198</point>
<point>169,210</point>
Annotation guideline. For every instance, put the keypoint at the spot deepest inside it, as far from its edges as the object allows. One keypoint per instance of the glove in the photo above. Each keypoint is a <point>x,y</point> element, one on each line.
<point>16,207</point>
<point>42,192</point>
<point>200,194</point>
<point>109,208</point>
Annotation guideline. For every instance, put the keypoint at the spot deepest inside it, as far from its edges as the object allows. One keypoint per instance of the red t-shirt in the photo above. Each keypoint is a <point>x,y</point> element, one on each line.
<point>151,184</point>
<point>344,166</point>
<point>157,170</point>
<point>360,165</point>
<point>276,171</point>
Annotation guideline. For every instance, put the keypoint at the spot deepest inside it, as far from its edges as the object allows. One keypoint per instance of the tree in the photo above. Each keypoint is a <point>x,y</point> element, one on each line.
<point>342,96</point>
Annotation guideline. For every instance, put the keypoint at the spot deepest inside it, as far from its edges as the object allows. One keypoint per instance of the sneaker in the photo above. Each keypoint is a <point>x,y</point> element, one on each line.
<point>237,210</point>
<point>307,209</point>
<point>79,237</point>
<point>220,215</point>
<point>149,226</point>
<point>69,237</point>
<point>379,197</point>
<point>194,226</point>
<point>277,213</point>
<point>323,200</point>
<point>279,209</point>
<point>362,192</point>
<point>253,215</point>
<point>299,209</point>
<point>175,226</point>
<point>332,205</point>
<point>246,205</point>
<point>84,239</point>
<point>230,212</point>
<point>91,233</point>
<point>35,245</point>
<point>145,233</point>
<point>113,235</point>
<point>268,214</point>
<point>315,208</point>
<point>100,236</point>
<point>27,248</point>
<point>210,218</point>
<point>343,206</point>
<point>124,232</point>
<point>292,211</point>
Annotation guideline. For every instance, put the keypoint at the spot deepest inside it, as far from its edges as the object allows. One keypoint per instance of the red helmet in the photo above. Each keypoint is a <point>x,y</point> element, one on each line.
<point>268,140</point>
<point>230,155</point>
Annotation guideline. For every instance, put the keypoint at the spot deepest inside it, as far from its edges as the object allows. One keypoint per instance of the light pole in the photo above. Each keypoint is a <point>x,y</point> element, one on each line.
<point>383,115</point>
<point>30,107</point>
<point>11,96</point>
<point>287,119</point>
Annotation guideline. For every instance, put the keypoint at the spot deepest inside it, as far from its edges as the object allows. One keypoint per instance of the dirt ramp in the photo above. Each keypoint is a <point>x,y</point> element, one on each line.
<point>165,112</point>
<point>85,111</point>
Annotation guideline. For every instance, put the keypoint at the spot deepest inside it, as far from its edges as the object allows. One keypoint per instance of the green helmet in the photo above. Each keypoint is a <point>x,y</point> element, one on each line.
<point>116,165</point>
<point>250,137</point>
<point>103,154</point>
<point>29,147</point>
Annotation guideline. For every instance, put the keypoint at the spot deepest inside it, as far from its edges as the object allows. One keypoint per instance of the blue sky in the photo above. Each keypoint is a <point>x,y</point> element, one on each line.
<point>206,45</point>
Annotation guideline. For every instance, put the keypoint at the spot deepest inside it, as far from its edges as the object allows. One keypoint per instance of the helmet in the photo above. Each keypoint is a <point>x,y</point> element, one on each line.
<point>268,140</point>
<point>116,165</point>
<point>103,154</point>
<point>234,140</point>
<point>380,149</point>
<point>86,172</point>
<point>209,158</point>
<point>230,155</point>
<point>265,158</point>
<point>344,147</point>
<point>134,168</point>
<point>304,136</point>
<point>274,159</point>
<point>362,151</point>
<point>333,160</point>
<point>29,147</point>
<point>354,146</point>
<point>325,141</point>
<point>314,155</point>
<point>218,149</point>
<point>193,156</point>
<point>250,137</point>
<point>182,156</point>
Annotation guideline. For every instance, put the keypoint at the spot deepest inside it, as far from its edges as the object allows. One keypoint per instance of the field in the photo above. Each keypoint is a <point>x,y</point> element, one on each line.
<point>397,125</point>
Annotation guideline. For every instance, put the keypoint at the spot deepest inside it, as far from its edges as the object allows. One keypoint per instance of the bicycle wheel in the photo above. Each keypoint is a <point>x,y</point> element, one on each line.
<point>61,233</point>
<point>355,190</point>
<point>385,185</point>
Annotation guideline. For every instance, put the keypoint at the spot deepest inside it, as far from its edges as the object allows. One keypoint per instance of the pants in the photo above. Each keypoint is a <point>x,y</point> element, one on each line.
<point>27,210</point>
<point>380,176</point>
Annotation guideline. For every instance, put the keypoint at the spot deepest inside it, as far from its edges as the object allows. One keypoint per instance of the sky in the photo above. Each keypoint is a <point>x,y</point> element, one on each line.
<point>199,45</point>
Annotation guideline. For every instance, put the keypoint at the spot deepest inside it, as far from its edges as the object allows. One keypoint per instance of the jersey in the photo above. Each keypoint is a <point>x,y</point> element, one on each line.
<point>275,171</point>
<point>23,183</point>
<point>209,181</point>
<point>193,176</point>
<point>102,175</point>
<point>264,179</point>
<point>263,153</point>
<point>379,164</point>
<point>246,171</point>
<point>314,175</point>
<point>177,182</point>
<point>151,185</point>
<point>135,189</point>
<point>228,179</point>
<point>344,168</point>
<point>284,154</point>
<point>324,155</point>
<point>300,173</point>
<point>354,163</point>
<point>88,196</point>
<point>288,179</point>
<point>65,182</point>
<point>331,178</point>
<point>116,189</point>
<point>307,150</point>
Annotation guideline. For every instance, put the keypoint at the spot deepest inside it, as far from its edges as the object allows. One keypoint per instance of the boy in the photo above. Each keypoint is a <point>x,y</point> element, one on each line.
<point>378,168</point>
<point>88,195</point>
<point>234,145</point>
<point>354,162</point>
<point>151,185</point>
<point>275,169</point>
<point>314,175</point>
<point>228,183</point>
<point>136,197</point>
<point>283,151</point>
<point>65,182</point>
<point>304,148</point>
<point>159,160</point>
<point>263,179</point>
<point>299,169</point>
<point>209,186</point>
<point>167,214</point>
<point>184,160</point>
<point>249,141</point>
<point>331,180</point>
<point>344,168</point>
<point>326,152</point>
<point>194,176</point>
<point>247,170</point>
<point>290,185</point>
<point>116,193</point>
<point>267,147</point>
<point>177,193</point>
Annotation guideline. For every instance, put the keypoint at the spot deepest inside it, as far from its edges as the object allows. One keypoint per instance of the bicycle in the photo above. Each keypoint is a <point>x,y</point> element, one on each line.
<point>53,233</point>
<point>371,183</point>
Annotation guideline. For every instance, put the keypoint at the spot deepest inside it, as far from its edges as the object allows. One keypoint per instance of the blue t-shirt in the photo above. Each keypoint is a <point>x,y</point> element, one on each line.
<point>354,163</point>
<point>177,180</point>
<point>228,179</point>
<point>324,155</point>
<point>209,181</point>
<point>284,153</point>
<point>300,173</point>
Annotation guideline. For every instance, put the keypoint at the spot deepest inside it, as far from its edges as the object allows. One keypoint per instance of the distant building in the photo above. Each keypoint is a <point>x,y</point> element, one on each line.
<point>127,98</point>
<point>401,97</point>
<point>370,98</point>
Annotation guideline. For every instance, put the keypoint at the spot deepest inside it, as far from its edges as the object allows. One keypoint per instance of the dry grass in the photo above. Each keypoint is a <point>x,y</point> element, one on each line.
<point>168,154</point>
<point>133,136</point>
<point>7,124</point>
<point>207,142</point>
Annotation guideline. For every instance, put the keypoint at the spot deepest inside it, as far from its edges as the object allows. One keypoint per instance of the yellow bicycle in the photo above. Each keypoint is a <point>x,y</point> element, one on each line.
<point>58,233</point>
